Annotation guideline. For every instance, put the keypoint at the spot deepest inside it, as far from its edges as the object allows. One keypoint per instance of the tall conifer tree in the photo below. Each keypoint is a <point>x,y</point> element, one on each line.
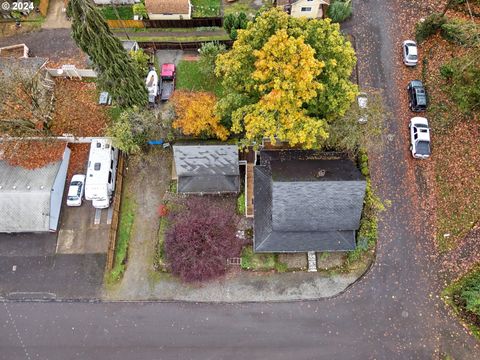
<point>117,73</point>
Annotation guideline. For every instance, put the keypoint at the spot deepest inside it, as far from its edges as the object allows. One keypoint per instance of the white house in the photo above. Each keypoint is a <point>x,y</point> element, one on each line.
<point>168,9</point>
<point>312,9</point>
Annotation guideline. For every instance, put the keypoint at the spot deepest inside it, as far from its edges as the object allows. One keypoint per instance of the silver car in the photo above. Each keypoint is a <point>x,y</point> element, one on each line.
<point>410,53</point>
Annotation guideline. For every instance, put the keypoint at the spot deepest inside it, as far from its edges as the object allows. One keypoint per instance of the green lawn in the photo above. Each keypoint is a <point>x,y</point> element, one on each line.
<point>189,77</point>
<point>124,12</point>
<point>206,8</point>
<point>254,261</point>
<point>127,217</point>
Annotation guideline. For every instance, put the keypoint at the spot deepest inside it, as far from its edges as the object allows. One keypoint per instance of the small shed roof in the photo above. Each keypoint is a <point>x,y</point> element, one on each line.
<point>207,168</point>
<point>168,6</point>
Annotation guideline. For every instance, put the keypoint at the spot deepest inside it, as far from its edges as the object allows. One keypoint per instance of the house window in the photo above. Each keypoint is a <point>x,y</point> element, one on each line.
<point>109,177</point>
<point>306,9</point>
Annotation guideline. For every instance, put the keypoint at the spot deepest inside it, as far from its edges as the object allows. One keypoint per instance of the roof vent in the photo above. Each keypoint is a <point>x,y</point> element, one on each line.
<point>28,187</point>
<point>14,187</point>
<point>320,173</point>
<point>42,187</point>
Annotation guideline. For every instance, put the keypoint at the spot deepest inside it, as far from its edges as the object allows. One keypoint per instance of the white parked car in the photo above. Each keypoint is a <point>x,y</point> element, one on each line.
<point>362,101</point>
<point>419,138</point>
<point>75,191</point>
<point>410,53</point>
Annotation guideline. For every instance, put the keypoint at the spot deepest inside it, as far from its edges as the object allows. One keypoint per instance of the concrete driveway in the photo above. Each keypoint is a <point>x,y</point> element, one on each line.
<point>84,230</point>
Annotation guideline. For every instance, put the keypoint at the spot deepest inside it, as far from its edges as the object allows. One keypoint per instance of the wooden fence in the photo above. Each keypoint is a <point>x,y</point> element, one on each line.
<point>117,202</point>
<point>187,45</point>
<point>158,24</point>
<point>115,24</point>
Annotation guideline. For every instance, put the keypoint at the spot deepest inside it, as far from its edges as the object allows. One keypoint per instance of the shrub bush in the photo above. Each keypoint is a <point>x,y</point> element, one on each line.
<point>233,22</point>
<point>428,27</point>
<point>200,239</point>
<point>446,70</point>
<point>461,32</point>
<point>340,10</point>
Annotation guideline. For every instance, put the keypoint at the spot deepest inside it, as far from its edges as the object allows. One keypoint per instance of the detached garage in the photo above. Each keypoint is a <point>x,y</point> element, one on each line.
<point>31,195</point>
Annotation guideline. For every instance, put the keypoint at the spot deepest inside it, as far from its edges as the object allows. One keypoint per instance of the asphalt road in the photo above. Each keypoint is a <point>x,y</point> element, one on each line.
<point>392,313</point>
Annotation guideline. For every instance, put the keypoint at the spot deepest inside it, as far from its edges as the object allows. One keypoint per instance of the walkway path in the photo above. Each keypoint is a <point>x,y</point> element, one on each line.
<point>56,17</point>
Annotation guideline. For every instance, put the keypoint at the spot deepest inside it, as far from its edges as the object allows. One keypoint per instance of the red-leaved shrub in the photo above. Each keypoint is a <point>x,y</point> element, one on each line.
<point>200,239</point>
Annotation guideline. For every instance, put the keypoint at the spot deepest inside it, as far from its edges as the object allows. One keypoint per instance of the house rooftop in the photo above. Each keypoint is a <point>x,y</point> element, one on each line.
<point>314,170</point>
<point>313,203</point>
<point>168,6</point>
<point>31,64</point>
<point>207,168</point>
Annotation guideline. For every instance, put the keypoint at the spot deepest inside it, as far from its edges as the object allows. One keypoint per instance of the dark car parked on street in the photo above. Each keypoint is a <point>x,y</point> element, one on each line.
<point>417,96</point>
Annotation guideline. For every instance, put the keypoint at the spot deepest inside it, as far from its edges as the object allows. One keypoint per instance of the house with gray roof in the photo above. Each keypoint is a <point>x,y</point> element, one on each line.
<point>306,201</point>
<point>206,169</point>
<point>30,200</point>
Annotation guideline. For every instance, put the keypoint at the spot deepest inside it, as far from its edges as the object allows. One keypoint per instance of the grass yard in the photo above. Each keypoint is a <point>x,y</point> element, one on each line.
<point>257,262</point>
<point>127,217</point>
<point>189,77</point>
<point>206,8</point>
<point>247,6</point>
<point>124,12</point>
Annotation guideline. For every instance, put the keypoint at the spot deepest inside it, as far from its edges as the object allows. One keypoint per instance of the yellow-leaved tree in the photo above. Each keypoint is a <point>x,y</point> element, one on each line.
<point>195,115</point>
<point>285,72</point>
<point>287,78</point>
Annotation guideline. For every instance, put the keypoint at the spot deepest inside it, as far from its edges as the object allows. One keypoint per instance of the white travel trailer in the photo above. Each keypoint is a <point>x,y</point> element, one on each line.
<point>101,173</point>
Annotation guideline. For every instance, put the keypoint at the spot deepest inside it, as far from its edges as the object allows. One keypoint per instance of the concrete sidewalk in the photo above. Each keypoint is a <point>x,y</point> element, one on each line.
<point>239,286</point>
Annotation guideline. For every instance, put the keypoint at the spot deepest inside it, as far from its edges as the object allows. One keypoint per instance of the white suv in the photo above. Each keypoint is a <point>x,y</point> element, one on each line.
<point>419,138</point>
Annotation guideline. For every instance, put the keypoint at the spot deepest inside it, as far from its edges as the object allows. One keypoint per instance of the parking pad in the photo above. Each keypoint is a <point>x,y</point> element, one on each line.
<point>84,230</point>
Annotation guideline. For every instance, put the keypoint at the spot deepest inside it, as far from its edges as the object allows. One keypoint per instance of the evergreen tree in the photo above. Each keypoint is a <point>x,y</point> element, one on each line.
<point>117,73</point>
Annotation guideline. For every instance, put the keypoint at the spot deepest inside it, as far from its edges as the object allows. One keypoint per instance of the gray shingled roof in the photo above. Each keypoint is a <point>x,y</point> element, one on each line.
<point>297,210</point>
<point>207,168</point>
<point>30,65</point>
<point>25,197</point>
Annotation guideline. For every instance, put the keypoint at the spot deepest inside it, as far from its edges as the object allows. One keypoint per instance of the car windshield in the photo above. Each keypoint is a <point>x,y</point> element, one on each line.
<point>72,198</point>
<point>412,57</point>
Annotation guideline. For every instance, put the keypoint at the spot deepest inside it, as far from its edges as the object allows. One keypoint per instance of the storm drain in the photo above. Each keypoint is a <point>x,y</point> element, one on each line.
<point>312,261</point>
